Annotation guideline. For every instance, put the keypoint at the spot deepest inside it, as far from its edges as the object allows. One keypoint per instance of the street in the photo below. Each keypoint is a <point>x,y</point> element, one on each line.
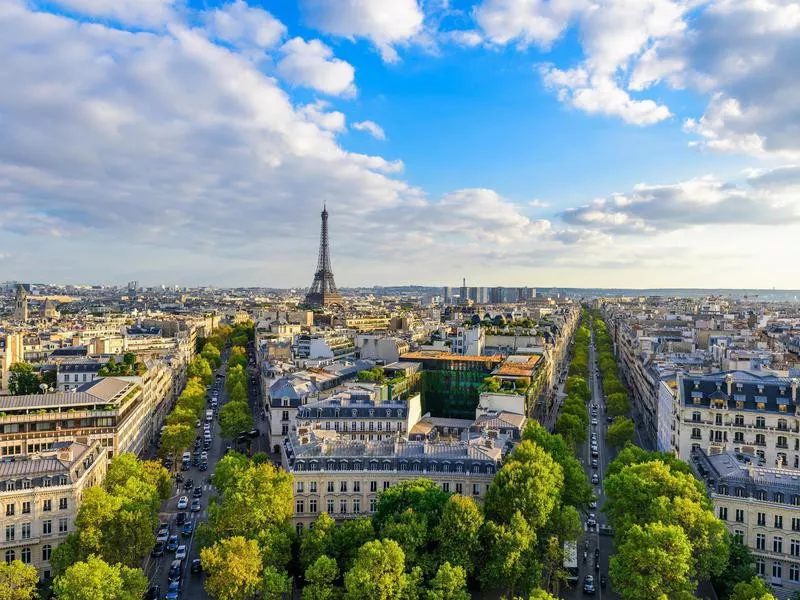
<point>157,569</point>
<point>591,536</point>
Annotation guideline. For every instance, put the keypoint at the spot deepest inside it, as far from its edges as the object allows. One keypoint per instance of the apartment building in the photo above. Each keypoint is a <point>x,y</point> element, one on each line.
<point>110,410</point>
<point>761,507</point>
<point>39,499</point>
<point>330,344</point>
<point>744,412</point>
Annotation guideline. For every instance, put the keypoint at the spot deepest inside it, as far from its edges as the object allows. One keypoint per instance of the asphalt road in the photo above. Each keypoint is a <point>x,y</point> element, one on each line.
<point>157,569</point>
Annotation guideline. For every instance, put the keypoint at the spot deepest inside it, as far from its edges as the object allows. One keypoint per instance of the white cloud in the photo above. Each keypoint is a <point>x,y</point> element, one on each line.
<point>371,128</point>
<point>467,38</point>
<point>150,13</point>
<point>318,113</point>
<point>525,22</point>
<point>312,64</point>
<point>238,23</point>
<point>385,24</point>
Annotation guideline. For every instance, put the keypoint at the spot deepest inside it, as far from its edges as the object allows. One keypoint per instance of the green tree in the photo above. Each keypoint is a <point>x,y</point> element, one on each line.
<point>212,354</point>
<point>410,530</point>
<point>18,581</point>
<point>571,428</point>
<point>233,568</point>
<point>157,476</point>
<point>238,357</point>
<point>348,538</point>
<point>175,439</point>
<point>23,380</point>
<point>234,418</point>
<point>740,567</point>
<point>633,455</point>
<point>421,495</point>
<point>378,572</point>
<point>578,387</point>
<point>449,583</point>
<point>508,558</point>
<point>530,482</point>
<point>317,541</point>
<point>618,405</point>
<point>541,595</point>
<point>182,415</point>
<point>200,368</point>
<point>95,579</point>
<point>228,470</point>
<point>320,580</point>
<point>127,466</point>
<point>653,562</point>
<point>755,589</point>
<point>276,584</point>
<point>620,432</point>
<point>457,533</point>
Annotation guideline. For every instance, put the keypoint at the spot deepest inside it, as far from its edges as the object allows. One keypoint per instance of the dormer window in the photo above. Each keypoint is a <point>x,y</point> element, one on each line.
<point>388,412</point>
<point>25,484</point>
<point>354,412</point>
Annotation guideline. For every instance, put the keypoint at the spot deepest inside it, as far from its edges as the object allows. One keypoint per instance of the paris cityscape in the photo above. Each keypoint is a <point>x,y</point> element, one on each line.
<point>399,300</point>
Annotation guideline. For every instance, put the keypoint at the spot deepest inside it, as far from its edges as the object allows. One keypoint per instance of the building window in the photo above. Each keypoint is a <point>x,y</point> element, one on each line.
<point>10,510</point>
<point>330,487</point>
<point>777,544</point>
<point>794,573</point>
<point>777,570</point>
<point>343,506</point>
<point>476,489</point>
<point>284,430</point>
<point>46,550</point>
<point>26,531</point>
<point>459,488</point>
<point>385,485</point>
<point>778,522</point>
<point>47,527</point>
<point>313,487</point>
<point>739,535</point>
<point>47,505</point>
<point>760,569</point>
<point>356,505</point>
<point>723,513</point>
<point>312,506</point>
<point>373,486</point>
<point>26,555</point>
<point>26,508</point>
<point>738,420</point>
<point>794,547</point>
<point>739,515</point>
<point>445,486</point>
<point>300,507</point>
<point>373,503</point>
<point>696,435</point>
<point>10,556</point>
<point>330,506</point>
<point>357,487</point>
<point>762,519</point>
<point>62,504</point>
<point>299,487</point>
<point>299,528</point>
<point>343,486</point>
<point>10,533</point>
<point>63,525</point>
<point>761,541</point>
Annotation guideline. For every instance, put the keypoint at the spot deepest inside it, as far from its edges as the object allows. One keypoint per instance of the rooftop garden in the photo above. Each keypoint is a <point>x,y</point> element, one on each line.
<point>129,366</point>
<point>495,385</point>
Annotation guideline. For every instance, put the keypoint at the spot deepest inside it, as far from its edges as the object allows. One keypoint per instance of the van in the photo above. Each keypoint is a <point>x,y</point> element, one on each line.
<point>187,456</point>
<point>209,415</point>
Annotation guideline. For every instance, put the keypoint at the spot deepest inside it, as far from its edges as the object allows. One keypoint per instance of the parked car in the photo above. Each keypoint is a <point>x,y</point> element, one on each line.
<point>197,566</point>
<point>588,585</point>
<point>595,478</point>
<point>180,518</point>
<point>593,504</point>
<point>183,502</point>
<point>196,506</point>
<point>188,484</point>
<point>203,466</point>
<point>591,522</point>
<point>158,550</point>
<point>198,492</point>
<point>180,553</point>
<point>594,463</point>
<point>162,535</point>
<point>173,591</point>
<point>605,530</point>
<point>153,593</point>
<point>175,570</point>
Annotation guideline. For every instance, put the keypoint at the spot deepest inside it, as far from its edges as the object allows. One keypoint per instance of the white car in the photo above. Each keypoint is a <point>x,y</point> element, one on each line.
<point>590,522</point>
<point>180,553</point>
<point>183,503</point>
<point>204,455</point>
<point>594,422</point>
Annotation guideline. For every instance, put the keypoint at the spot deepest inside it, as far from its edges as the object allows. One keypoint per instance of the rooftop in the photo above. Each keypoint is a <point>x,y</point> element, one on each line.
<point>447,356</point>
<point>518,365</point>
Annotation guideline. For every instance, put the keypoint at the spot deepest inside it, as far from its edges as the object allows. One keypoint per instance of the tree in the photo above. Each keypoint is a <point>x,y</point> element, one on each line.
<point>508,558</point>
<point>238,357</point>
<point>23,380</point>
<point>457,533</point>
<point>530,482</point>
<point>348,538</point>
<point>541,595</point>
<point>577,386</point>
<point>95,579</point>
<point>755,589</point>
<point>410,530</point>
<point>653,562</point>
<point>740,567</point>
<point>320,579</point>
<point>571,428</point>
<point>234,418</point>
<point>212,354</point>
<point>449,583</point>
<point>317,541</point>
<point>18,581</point>
<point>276,584</point>
<point>200,368</point>
<point>620,432</point>
<point>618,405</point>
<point>175,439</point>
<point>233,568</point>
<point>633,455</point>
<point>378,572</point>
<point>421,495</point>
<point>127,466</point>
<point>228,470</point>
<point>182,415</point>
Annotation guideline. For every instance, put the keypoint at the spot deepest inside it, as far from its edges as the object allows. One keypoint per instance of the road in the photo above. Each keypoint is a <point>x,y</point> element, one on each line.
<point>157,569</point>
<point>592,536</point>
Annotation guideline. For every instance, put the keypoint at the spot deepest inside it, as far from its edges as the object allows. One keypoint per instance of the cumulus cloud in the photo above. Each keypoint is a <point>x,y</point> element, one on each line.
<point>764,198</point>
<point>239,24</point>
<point>147,13</point>
<point>318,113</point>
<point>312,64</point>
<point>372,128</point>
<point>385,24</point>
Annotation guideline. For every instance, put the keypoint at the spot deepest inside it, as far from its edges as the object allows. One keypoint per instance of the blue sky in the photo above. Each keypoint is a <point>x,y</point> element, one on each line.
<point>560,142</point>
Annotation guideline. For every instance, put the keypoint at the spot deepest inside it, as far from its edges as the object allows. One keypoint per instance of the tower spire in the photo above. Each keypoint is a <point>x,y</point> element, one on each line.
<point>323,290</point>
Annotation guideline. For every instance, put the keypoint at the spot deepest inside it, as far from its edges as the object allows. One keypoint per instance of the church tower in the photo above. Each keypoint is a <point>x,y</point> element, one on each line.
<point>21,304</point>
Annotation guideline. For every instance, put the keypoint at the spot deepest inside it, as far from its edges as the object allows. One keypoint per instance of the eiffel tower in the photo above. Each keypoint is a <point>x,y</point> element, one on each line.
<point>323,291</point>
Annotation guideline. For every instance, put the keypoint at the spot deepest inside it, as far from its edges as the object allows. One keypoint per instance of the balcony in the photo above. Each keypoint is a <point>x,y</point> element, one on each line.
<point>761,443</point>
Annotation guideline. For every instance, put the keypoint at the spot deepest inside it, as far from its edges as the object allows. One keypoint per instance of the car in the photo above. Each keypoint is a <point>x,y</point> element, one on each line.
<point>196,425</point>
<point>188,529</point>
<point>172,544</point>
<point>188,484</point>
<point>207,445</point>
<point>228,448</point>
<point>610,419</point>
<point>594,463</point>
<point>197,566</point>
<point>605,530</point>
<point>195,506</point>
<point>180,553</point>
<point>158,550</point>
<point>183,502</point>
<point>185,466</point>
<point>204,455</point>
<point>591,522</point>
<point>594,422</point>
<point>174,573</point>
<point>595,478</point>
<point>588,585</point>
<point>594,454</point>
<point>180,518</point>
<point>593,504</point>
<point>203,466</point>
<point>253,433</point>
<point>153,593</point>
<point>178,478</point>
<point>198,492</point>
<point>594,405</point>
<point>162,535</point>
<point>174,590</point>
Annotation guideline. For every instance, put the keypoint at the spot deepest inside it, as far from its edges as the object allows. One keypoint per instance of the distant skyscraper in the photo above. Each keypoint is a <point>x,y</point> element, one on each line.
<point>323,290</point>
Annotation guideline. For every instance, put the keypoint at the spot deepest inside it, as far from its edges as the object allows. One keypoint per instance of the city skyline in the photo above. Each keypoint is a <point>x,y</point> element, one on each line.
<point>517,143</point>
